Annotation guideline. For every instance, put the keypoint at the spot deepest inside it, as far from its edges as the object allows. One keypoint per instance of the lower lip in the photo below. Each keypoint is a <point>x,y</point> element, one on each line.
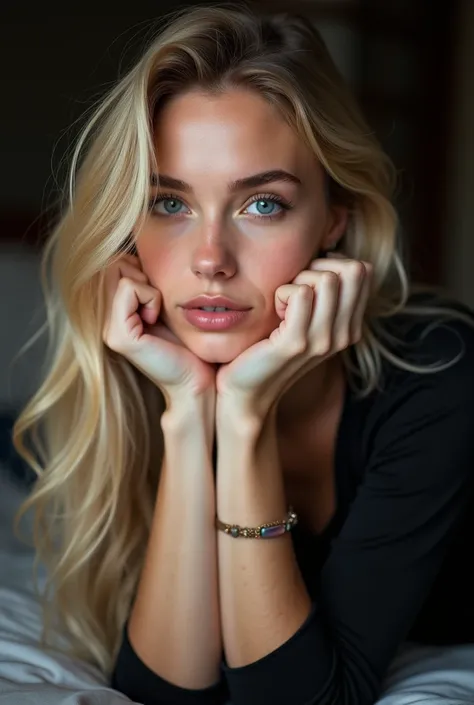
<point>213,320</point>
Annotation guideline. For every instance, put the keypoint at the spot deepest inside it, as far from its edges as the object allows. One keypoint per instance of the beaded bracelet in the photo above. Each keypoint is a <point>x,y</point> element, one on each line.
<point>270,530</point>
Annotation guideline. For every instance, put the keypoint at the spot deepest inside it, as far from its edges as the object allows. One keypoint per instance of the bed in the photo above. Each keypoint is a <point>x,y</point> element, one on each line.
<point>30,675</point>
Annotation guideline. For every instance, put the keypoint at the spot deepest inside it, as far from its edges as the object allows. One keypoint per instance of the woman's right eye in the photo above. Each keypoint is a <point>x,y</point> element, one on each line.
<point>166,205</point>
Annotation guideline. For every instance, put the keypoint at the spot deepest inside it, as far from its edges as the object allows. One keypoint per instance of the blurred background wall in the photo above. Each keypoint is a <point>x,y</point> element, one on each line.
<point>410,63</point>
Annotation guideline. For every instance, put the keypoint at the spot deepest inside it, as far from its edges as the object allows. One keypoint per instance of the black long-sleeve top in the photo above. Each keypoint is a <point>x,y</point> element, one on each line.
<point>393,564</point>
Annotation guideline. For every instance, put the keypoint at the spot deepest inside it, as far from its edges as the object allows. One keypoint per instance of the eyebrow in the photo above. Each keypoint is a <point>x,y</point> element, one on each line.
<point>265,177</point>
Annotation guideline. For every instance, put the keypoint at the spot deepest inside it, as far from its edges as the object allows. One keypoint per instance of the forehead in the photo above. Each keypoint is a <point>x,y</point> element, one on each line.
<point>238,126</point>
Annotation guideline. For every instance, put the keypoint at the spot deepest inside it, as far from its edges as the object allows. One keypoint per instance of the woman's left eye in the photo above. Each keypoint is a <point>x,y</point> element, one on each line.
<point>267,207</point>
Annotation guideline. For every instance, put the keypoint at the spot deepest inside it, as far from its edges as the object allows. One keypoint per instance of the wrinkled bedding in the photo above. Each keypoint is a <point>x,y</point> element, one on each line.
<point>28,674</point>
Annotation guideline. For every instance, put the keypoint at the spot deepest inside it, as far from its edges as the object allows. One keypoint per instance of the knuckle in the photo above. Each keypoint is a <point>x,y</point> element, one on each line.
<point>297,346</point>
<point>110,341</point>
<point>343,341</point>
<point>356,270</point>
<point>322,345</point>
<point>111,338</point>
<point>330,278</point>
<point>124,283</point>
<point>306,288</point>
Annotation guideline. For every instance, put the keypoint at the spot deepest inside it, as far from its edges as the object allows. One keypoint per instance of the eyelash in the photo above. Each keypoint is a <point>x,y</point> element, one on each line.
<point>284,204</point>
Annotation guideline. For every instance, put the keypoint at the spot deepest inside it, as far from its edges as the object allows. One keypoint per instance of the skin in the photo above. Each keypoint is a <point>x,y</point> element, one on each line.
<point>218,242</point>
<point>221,242</point>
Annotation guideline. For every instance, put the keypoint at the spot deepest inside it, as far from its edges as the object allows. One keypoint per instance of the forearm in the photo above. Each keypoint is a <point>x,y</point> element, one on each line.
<point>174,626</point>
<point>262,594</point>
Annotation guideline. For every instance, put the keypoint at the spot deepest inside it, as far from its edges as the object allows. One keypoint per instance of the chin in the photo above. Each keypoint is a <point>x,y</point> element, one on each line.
<point>217,352</point>
<point>219,348</point>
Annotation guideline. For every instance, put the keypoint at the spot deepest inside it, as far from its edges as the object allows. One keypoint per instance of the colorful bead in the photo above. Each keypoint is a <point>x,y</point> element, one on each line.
<point>269,532</point>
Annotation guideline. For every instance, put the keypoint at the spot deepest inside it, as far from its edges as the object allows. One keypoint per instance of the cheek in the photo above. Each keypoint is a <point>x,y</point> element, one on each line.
<point>280,265</point>
<point>155,261</point>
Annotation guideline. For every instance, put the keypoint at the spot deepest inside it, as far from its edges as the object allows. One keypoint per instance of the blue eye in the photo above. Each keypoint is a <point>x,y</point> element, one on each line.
<point>268,207</point>
<point>171,205</point>
<point>265,206</point>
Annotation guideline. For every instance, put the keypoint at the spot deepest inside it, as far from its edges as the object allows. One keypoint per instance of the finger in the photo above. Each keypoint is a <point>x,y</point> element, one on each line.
<point>282,296</point>
<point>131,295</point>
<point>352,275</point>
<point>122,268</point>
<point>129,266</point>
<point>352,281</point>
<point>125,321</point>
<point>355,291</point>
<point>322,326</point>
<point>298,300</point>
<point>126,266</point>
<point>361,306</point>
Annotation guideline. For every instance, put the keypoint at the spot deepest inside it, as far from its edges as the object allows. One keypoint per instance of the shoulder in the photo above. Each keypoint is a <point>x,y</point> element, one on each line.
<point>430,348</point>
<point>416,431</point>
<point>423,413</point>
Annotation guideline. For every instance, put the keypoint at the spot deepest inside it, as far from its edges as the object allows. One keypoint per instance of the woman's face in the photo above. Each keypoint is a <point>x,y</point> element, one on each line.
<point>217,234</point>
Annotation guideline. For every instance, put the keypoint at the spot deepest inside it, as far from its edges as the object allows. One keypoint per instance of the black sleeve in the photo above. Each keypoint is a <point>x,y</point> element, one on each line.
<point>134,679</point>
<point>381,566</point>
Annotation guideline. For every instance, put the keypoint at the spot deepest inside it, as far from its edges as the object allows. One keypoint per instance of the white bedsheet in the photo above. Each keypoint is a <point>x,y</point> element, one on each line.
<point>28,674</point>
<point>31,676</point>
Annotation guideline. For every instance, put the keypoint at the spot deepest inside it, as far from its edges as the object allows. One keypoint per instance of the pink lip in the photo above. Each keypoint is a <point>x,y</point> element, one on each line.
<point>205,300</point>
<point>213,320</point>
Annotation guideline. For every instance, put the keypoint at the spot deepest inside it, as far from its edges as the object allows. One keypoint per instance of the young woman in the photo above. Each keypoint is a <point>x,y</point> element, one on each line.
<point>231,169</point>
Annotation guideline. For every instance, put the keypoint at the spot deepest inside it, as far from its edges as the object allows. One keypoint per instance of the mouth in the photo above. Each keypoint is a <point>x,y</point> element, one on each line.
<point>214,318</point>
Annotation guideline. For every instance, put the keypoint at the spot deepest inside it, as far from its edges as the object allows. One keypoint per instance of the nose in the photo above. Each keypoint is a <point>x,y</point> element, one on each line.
<point>213,258</point>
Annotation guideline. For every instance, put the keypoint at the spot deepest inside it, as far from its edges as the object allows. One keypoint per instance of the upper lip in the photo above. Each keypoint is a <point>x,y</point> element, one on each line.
<point>204,300</point>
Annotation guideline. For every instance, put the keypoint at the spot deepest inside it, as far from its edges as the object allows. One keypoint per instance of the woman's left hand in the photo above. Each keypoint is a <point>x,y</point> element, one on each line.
<point>321,312</point>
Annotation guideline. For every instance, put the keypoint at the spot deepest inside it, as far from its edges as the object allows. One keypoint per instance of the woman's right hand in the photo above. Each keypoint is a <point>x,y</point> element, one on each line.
<point>132,329</point>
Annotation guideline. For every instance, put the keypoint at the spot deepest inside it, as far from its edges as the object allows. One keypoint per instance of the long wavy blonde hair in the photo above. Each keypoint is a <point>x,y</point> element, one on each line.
<point>91,431</point>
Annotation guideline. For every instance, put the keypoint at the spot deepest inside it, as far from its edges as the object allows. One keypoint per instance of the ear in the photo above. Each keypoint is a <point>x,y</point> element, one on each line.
<point>336,226</point>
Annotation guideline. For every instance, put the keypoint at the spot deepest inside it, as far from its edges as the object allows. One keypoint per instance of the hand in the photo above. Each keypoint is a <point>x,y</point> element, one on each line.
<point>321,312</point>
<point>133,330</point>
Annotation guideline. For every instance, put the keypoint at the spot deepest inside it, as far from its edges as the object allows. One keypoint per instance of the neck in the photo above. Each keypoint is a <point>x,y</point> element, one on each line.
<point>311,395</point>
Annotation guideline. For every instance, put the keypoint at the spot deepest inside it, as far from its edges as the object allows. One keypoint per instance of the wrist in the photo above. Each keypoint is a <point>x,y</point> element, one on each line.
<point>185,411</point>
<point>241,419</point>
<point>185,400</point>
